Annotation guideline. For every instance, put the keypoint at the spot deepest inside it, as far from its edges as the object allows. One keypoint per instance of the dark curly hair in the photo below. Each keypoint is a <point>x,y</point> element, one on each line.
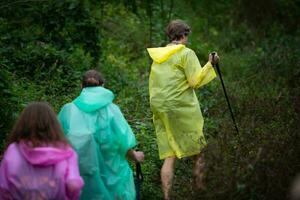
<point>92,78</point>
<point>176,29</point>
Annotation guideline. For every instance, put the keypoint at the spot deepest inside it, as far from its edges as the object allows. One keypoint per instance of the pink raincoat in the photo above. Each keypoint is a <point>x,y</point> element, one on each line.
<point>39,173</point>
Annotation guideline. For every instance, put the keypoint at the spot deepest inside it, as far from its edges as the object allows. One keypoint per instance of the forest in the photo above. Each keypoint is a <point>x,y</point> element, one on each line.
<point>46,46</point>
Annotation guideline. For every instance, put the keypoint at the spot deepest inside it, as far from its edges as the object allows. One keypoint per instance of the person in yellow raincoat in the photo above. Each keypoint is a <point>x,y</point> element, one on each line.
<point>175,74</point>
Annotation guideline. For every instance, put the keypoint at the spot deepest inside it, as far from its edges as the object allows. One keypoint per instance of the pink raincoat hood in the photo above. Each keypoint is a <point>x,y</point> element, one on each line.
<point>44,155</point>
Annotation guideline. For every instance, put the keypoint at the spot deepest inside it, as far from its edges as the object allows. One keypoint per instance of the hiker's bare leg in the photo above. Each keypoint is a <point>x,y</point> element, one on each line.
<point>167,173</point>
<point>198,172</point>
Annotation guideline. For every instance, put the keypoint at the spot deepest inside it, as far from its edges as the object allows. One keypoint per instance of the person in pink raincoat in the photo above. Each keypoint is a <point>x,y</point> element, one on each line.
<point>39,163</point>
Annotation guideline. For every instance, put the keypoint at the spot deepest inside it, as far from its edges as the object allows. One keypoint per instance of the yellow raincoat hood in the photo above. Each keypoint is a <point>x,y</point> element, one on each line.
<point>161,54</point>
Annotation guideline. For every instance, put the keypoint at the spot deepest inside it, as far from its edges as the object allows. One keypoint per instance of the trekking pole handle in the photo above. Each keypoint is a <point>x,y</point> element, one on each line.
<point>213,58</point>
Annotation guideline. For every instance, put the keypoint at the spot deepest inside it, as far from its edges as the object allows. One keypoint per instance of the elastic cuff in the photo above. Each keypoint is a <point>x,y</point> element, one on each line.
<point>208,64</point>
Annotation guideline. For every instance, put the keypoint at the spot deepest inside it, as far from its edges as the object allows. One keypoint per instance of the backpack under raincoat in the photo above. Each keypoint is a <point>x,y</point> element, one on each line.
<point>46,172</point>
<point>177,118</point>
<point>101,137</point>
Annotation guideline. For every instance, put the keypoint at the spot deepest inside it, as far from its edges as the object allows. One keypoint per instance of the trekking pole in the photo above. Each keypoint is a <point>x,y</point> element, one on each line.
<point>139,177</point>
<point>225,93</point>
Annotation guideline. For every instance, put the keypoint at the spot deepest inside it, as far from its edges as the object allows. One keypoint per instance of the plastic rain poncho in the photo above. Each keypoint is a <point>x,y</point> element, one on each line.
<point>39,173</point>
<point>175,74</point>
<point>101,136</point>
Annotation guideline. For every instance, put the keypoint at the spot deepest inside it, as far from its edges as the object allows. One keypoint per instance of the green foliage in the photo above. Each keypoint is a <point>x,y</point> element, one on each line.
<point>6,101</point>
<point>47,45</point>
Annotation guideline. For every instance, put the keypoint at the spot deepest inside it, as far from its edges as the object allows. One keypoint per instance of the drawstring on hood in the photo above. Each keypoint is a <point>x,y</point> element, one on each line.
<point>93,98</point>
<point>161,54</point>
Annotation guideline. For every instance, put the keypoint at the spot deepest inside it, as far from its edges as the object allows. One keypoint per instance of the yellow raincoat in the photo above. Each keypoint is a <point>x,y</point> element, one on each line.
<point>177,117</point>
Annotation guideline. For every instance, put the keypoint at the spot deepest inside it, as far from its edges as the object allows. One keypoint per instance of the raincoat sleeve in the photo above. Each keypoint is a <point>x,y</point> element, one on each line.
<point>74,182</point>
<point>4,188</point>
<point>195,74</point>
<point>62,118</point>
<point>125,136</point>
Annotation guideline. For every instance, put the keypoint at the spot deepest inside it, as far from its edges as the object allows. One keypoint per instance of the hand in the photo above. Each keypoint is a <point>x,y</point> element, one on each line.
<point>139,156</point>
<point>215,60</point>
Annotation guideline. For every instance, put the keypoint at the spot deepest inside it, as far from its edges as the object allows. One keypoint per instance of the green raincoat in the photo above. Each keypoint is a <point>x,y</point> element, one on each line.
<point>175,74</point>
<point>101,137</point>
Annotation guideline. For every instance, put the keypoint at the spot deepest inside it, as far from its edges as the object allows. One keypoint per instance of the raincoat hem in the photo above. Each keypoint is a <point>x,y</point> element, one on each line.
<point>188,154</point>
<point>166,155</point>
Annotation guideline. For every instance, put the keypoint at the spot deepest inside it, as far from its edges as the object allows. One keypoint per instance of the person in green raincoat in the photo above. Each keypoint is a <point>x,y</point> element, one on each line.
<point>175,74</point>
<point>102,138</point>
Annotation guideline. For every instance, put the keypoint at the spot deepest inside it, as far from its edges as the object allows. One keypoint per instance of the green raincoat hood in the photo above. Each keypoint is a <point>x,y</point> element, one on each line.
<point>93,98</point>
<point>161,54</point>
